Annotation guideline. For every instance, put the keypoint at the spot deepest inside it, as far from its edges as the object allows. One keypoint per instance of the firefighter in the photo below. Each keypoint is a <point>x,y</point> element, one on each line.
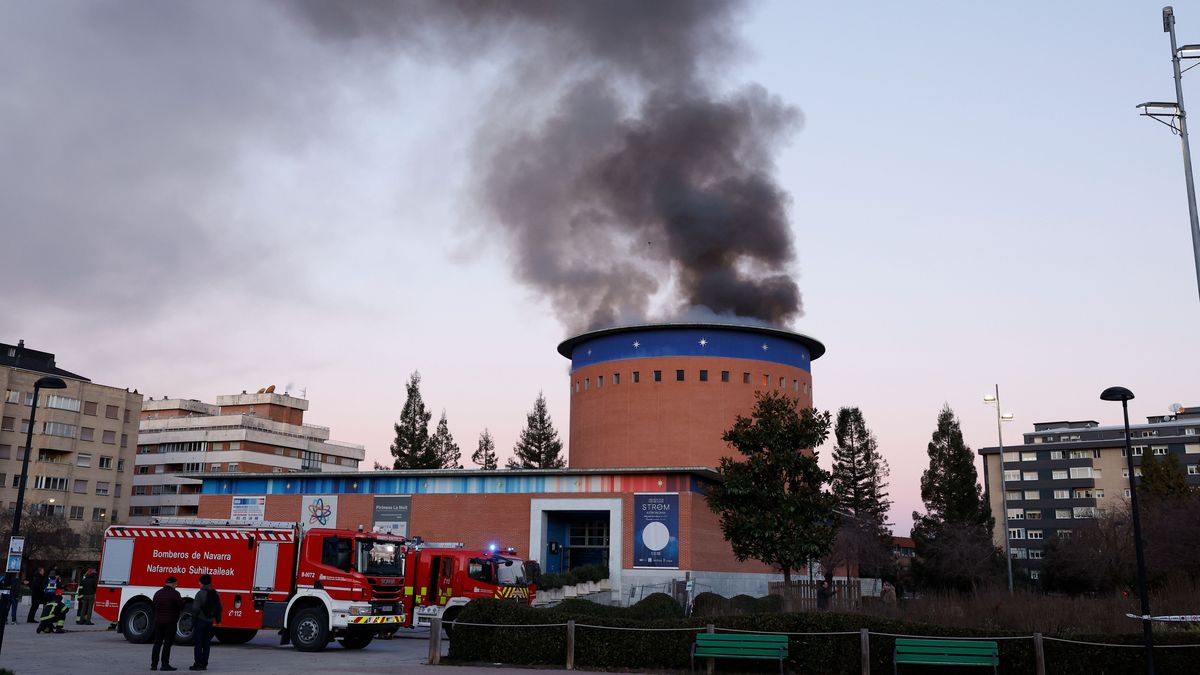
<point>54,616</point>
<point>86,598</point>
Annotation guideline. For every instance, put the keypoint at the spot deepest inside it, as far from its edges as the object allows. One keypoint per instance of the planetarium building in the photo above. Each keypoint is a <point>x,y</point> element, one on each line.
<point>649,405</point>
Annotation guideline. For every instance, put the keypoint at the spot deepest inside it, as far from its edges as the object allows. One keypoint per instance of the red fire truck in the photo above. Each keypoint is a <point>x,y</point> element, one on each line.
<point>314,586</point>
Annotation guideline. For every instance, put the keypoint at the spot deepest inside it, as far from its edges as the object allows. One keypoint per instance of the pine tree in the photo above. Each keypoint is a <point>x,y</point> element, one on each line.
<point>539,446</point>
<point>485,454</point>
<point>442,444</point>
<point>772,504</point>
<point>411,447</point>
<point>954,538</point>
<point>859,478</point>
<point>1162,479</point>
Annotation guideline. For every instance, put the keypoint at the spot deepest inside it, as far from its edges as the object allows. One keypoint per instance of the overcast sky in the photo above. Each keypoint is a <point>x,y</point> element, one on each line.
<point>201,198</point>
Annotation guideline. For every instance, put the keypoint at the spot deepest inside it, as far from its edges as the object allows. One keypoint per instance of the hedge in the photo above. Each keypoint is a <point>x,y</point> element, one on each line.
<point>615,649</point>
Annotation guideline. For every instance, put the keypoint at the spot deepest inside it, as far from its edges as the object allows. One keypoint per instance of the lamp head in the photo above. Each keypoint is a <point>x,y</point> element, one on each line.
<point>1006,417</point>
<point>50,383</point>
<point>1168,18</point>
<point>1116,393</point>
<point>990,398</point>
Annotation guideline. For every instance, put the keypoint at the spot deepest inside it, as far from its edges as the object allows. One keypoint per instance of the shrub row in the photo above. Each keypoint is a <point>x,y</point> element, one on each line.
<point>576,576</point>
<point>596,648</point>
<point>712,604</point>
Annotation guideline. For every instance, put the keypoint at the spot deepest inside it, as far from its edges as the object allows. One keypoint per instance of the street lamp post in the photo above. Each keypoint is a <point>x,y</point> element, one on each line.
<point>1174,112</point>
<point>1001,418</point>
<point>1124,396</point>
<point>14,578</point>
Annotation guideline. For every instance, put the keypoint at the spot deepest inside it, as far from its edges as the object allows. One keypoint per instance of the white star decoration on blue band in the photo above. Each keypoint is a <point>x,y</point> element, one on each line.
<point>636,344</point>
<point>703,342</point>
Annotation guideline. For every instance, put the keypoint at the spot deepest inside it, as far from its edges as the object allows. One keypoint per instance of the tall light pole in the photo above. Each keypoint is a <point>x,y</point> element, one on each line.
<point>1177,116</point>
<point>994,401</point>
<point>1124,396</point>
<point>14,579</point>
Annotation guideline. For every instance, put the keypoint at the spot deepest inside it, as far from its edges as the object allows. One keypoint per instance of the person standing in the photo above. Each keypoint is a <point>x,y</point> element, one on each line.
<point>86,598</point>
<point>206,611</point>
<point>824,594</point>
<point>168,604</point>
<point>37,593</point>
<point>889,594</point>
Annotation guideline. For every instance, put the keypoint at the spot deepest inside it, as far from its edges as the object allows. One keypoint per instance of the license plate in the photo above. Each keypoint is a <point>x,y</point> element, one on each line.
<point>386,609</point>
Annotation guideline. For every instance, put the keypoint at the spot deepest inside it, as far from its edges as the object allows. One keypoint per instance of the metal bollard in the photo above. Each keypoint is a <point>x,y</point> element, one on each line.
<point>435,641</point>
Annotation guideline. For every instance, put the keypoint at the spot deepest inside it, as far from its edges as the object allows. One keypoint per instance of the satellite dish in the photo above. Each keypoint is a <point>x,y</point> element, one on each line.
<point>1175,407</point>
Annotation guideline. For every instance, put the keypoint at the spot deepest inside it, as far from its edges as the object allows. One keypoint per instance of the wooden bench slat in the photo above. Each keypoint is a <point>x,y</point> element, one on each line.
<point>945,643</point>
<point>948,658</point>
<point>770,652</point>
<point>946,650</point>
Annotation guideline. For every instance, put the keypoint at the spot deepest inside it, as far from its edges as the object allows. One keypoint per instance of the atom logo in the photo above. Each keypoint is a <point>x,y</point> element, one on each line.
<point>319,512</point>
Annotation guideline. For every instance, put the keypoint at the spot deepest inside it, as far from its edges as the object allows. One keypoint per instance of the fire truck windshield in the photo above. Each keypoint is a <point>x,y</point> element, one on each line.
<point>380,558</point>
<point>510,572</point>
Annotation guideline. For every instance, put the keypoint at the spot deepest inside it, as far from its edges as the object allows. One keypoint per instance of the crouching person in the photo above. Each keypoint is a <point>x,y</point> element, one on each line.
<point>54,616</point>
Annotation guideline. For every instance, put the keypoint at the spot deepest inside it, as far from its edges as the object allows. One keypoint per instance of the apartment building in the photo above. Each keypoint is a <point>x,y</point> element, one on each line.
<point>83,446</point>
<point>1066,472</point>
<point>263,432</point>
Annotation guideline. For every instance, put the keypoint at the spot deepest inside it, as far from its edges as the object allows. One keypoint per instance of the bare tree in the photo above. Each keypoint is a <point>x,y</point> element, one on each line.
<point>47,537</point>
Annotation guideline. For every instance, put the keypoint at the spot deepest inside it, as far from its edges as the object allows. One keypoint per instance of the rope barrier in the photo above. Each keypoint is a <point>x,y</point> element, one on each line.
<point>771,632</point>
<point>506,625</point>
<point>584,625</point>
<point>954,637</point>
<point>1109,644</point>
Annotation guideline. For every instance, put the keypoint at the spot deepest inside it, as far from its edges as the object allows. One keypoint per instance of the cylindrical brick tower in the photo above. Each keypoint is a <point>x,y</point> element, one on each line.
<point>662,395</point>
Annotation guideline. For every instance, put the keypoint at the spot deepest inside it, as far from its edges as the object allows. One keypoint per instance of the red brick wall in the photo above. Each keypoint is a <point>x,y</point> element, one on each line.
<point>215,506</point>
<point>667,423</point>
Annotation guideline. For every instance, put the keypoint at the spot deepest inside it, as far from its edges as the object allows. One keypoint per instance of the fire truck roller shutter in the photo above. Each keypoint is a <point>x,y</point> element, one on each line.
<point>266,559</point>
<point>116,561</point>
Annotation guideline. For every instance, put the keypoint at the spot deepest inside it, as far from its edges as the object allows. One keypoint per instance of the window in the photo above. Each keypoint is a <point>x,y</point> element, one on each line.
<point>616,378</point>
<point>1084,493</point>
<point>233,466</point>
<point>80,487</point>
<point>1193,470</point>
<point>1034,554</point>
<point>1033,515</point>
<point>110,411</point>
<point>59,429</point>
<point>127,416</point>
<point>766,380</point>
<point>1059,474</point>
<point>1125,493</point>
<point>83,459</point>
<point>1160,450</point>
<point>1062,514</point>
<point>141,490</point>
<point>16,480</point>
<point>1034,534</point>
<point>1028,456</point>
<point>1189,432</point>
<point>587,383</point>
<point>637,377</point>
<point>704,376</point>
<point>141,470</point>
<point>86,433</point>
<point>50,483</point>
<point>1029,475</point>
<point>1018,553</point>
<point>1081,472</point>
<point>658,376</point>
<point>679,376</point>
<point>745,378</point>
<point>76,513</point>
<point>98,514</point>
<point>5,451</point>
<point>117,491</point>
<point>1096,473</point>
<point>1016,533</point>
<point>1012,495</point>
<point>1083,512</point>
<point>11,396</point>
<point>193,467</point>
<point>599,381</point>
<point>724,375</point>
<point>1012,456</point>
<point>335,552</point>
<point>46,510</point>
<point>1098,493</point>
<point>576,391</point>
<point>1033,494</point>
<point>1058,454</point>
<point>1081,454</point>
<point>1012,474</point>
<point>124,440</point>
<point>782,382</point>
<point>1138,450</point>
<point>101,488</point>
<point>1064,534</point>
<point>120,466</point>
<point>1016,514</point>
<point>62,403</point>
<point>105,462</point>
<point>89,407</point>
<point>795,385</point>
<point>110,437</point>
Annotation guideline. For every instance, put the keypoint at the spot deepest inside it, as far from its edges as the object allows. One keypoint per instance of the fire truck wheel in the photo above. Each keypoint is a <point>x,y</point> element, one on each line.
<point>137,622</point>
<point>310,629</point>
<point>184,634</point>
<point>356,640</point>
<point>234,636</point>
<point>448,621</point>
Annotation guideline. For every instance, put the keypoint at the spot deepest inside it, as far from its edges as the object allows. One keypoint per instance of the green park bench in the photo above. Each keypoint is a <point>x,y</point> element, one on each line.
<point>740,646</point>
<point>946,653</point>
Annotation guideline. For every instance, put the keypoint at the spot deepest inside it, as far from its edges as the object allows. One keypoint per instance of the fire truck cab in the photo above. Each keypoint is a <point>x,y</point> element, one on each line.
<point>445,577</point>
<point>314,586</point>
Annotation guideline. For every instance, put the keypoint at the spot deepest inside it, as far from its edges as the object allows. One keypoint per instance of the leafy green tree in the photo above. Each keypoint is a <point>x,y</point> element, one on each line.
<point>539,446</point>
<point>443,445</point>
<point>411,448</point>
<point>953,539</point>
<point>771,503</point>
<point>1163,479</point>
<point>485,454</point>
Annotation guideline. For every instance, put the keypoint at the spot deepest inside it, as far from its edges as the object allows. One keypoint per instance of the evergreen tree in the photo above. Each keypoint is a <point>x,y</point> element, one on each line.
<point>1162,479</point>
<point>411,448</point>
<point>954,538</point>
<point>771,504</point>
<point>442,444</point>
<point>539,446</point>
<point>859,477</point>
<point>485,454</point>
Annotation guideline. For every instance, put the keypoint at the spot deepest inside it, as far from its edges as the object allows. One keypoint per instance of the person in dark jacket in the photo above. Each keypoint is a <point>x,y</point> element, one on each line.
<point>86,598</point>
<point>824,594</point>
<point>54,616</point>
<point>168,604</point>
<point>37,593</point>
<point>206,611</point>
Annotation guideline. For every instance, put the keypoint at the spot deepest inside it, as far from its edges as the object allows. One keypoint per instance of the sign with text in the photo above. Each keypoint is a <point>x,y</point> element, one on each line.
<point>392,514</point>
<point>656,530</point>
<point>16,548</point>
<point>318,511</point>
<point>248,509</point>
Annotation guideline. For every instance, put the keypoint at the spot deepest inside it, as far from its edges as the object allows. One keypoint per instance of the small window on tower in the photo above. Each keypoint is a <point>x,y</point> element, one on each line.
<point>637,376</point>
<point>658,376</point>
<point>745,378</point>
<point>599,381</point>
<point>704,376</point>
<point>679,376</point>
<point>587,383</point>
<point>616,378</point>
<point>766,380</point>
<point>724,375</point>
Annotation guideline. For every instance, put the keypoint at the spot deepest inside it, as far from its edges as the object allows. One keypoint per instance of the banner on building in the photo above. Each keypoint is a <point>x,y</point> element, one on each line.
<point>656,530</point>
<point>318,511</point>
<point>392,514</point>
<point>248,509</point>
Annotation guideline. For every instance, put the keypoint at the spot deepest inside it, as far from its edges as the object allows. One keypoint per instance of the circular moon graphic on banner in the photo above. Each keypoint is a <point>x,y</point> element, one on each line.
<point>656,536</point>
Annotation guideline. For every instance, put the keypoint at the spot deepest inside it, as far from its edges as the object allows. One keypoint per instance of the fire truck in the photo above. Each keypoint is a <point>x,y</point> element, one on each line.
<point>314,585</point>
